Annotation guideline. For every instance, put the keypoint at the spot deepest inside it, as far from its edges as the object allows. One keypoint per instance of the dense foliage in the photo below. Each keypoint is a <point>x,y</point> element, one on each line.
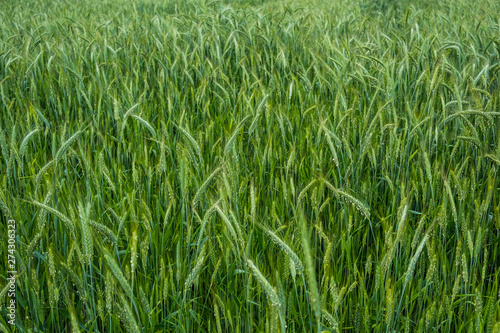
<point>249,166</point>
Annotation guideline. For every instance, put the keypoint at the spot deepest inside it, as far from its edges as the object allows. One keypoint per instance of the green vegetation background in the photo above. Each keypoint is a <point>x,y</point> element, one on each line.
<point>250,166</point>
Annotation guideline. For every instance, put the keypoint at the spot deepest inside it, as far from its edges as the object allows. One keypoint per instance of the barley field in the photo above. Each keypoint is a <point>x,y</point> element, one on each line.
<point>250,166</point>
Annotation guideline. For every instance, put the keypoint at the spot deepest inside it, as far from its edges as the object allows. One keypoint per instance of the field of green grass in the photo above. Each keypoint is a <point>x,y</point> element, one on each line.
<point>250,166</point>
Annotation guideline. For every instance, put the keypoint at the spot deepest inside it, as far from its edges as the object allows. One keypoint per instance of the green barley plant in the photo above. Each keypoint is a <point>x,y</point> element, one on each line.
<point>250,165</point>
